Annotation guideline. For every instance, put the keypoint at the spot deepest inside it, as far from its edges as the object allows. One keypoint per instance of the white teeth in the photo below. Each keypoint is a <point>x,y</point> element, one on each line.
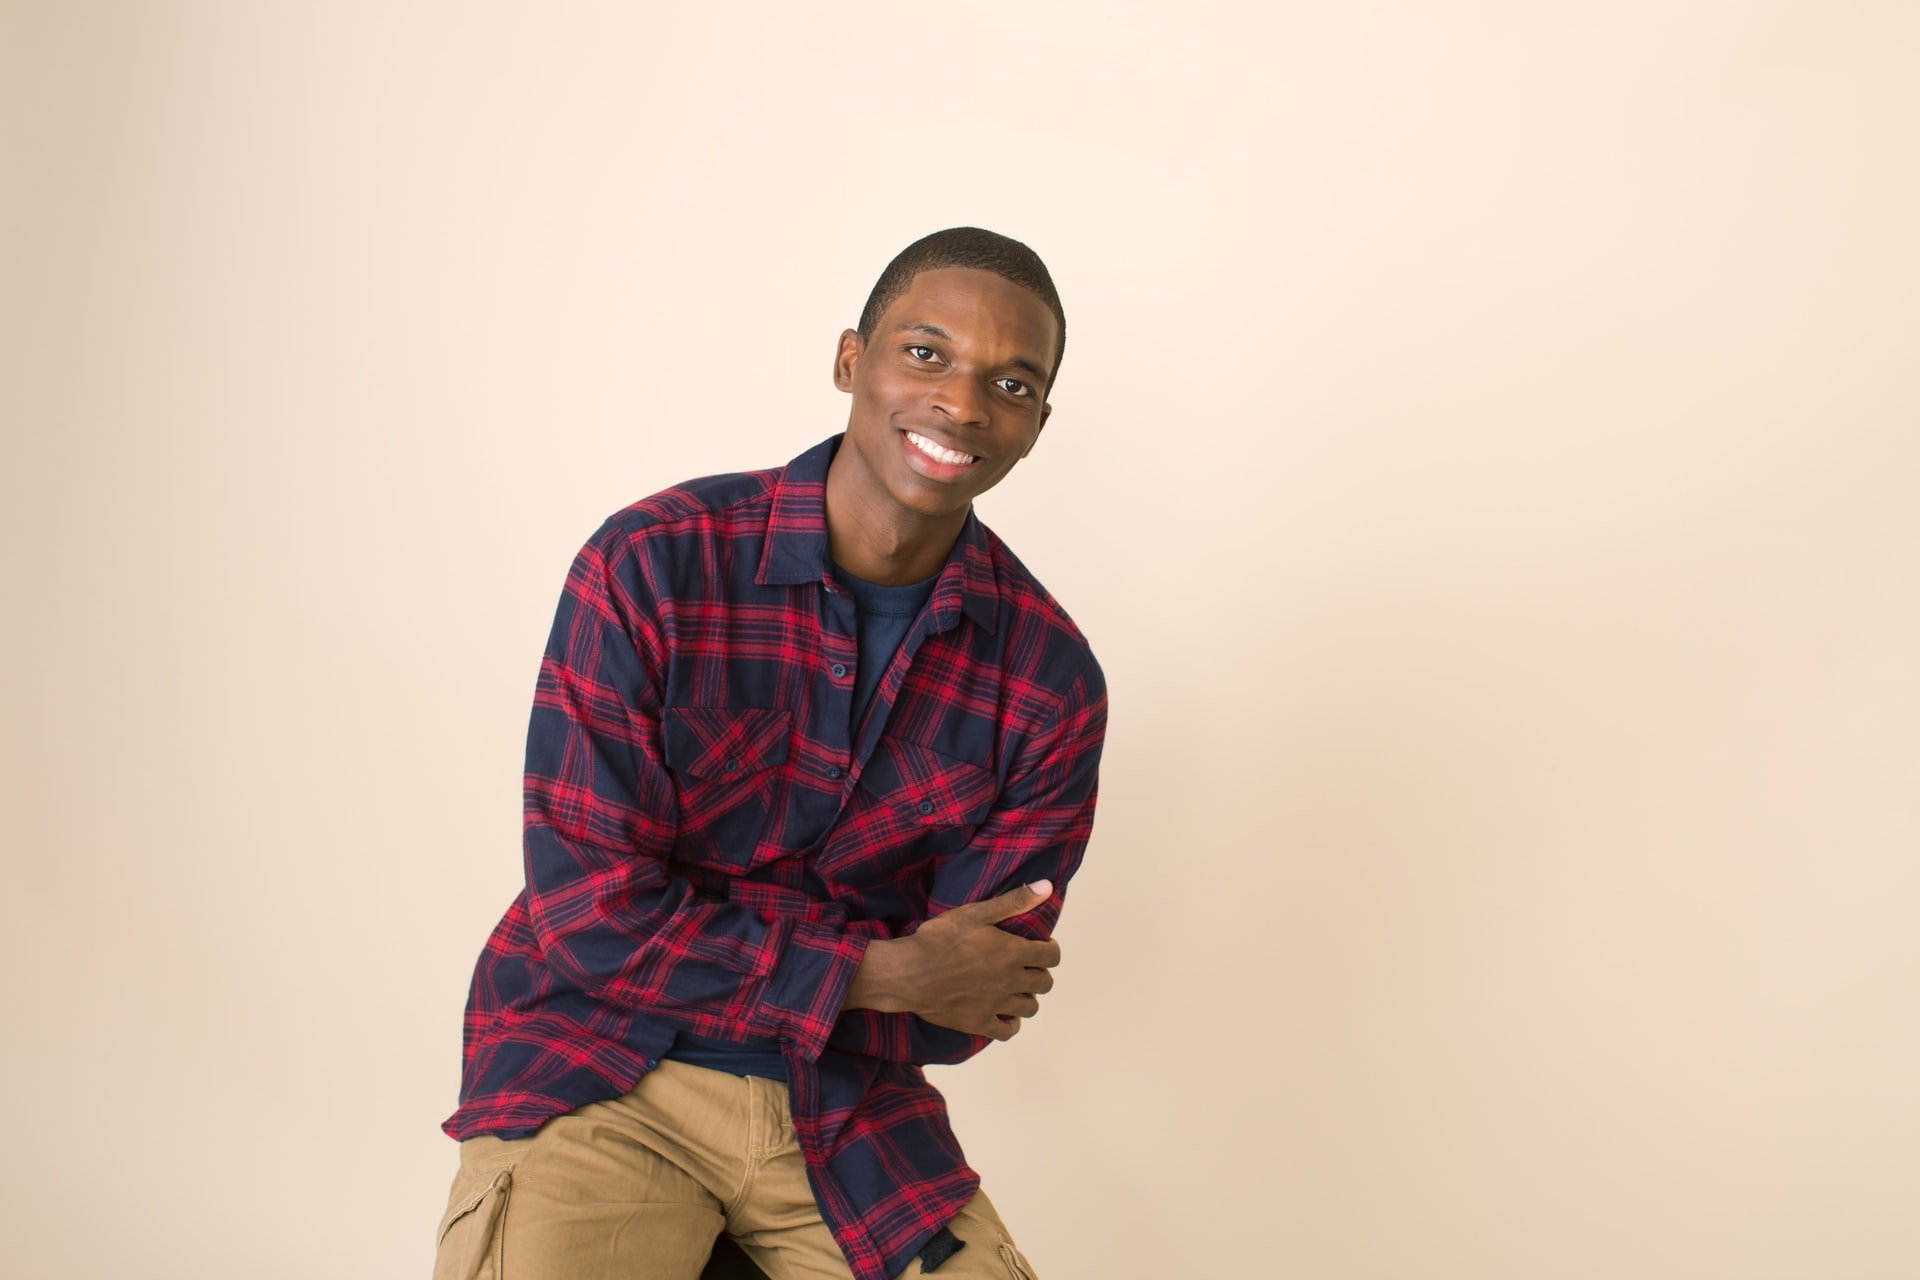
<point>937,453</point>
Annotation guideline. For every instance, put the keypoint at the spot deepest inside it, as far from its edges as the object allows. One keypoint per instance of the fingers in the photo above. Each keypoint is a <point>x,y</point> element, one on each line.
<point>1015,1010</point>
<point>1029,953</point>
<point>1013,902</point>
<point>1020,1006</point>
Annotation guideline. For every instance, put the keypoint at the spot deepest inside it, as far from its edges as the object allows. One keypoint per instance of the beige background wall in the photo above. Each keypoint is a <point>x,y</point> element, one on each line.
<point>1484,461</point>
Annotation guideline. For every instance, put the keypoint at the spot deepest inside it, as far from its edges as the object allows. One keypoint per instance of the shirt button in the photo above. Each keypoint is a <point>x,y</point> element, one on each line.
<point>652,1063</point>
<point>833,771</point>
<point>926,806</point>
<point>733,763</point>
<point>839,668</point>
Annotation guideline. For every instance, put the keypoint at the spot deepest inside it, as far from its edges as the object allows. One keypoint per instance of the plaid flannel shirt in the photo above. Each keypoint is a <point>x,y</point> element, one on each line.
<point>710,842</point>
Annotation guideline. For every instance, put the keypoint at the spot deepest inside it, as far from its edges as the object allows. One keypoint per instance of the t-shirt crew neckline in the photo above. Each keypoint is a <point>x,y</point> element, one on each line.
<point>874,597</point>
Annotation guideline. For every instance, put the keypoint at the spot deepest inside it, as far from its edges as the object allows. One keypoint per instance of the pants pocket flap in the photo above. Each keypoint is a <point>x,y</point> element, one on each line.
<point>470,1228</point>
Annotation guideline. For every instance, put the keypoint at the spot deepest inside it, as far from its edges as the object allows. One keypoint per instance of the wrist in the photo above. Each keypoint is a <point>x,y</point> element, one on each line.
<point>882,982</point>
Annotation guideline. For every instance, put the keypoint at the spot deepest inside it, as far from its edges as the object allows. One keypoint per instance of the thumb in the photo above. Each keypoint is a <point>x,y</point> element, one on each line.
<point>1016,901</point>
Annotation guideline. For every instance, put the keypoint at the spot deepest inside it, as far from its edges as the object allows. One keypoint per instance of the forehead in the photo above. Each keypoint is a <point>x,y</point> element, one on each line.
<point>979,309</point>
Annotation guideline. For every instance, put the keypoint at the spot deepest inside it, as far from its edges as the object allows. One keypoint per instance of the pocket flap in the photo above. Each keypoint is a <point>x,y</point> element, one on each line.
<point>929,788</point>
<point>474,1209</point>
<point>724,742</point>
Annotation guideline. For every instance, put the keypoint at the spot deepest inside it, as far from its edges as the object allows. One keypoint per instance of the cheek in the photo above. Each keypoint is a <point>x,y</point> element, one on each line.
<point>871,404</point>
<point>886,389</point>
<point>865,401</point>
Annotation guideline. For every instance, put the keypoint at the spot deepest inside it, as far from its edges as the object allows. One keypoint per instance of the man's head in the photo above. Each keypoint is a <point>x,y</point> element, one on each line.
<point>949,370</point>
<point>968,247</point>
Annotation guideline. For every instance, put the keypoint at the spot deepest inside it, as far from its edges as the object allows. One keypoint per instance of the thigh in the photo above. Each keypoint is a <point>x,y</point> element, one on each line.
<point>988,1253</point>
<point>789,1240</point>
<point>585,1197</point>
<point>777,1223</point>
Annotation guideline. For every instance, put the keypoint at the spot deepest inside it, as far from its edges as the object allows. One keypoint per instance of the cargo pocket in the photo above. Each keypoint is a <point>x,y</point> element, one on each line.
<point>471,1234</point>
<point>1016,1263</point>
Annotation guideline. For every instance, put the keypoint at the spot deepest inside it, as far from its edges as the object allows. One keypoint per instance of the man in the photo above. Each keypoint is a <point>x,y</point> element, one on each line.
<point>811,760</point>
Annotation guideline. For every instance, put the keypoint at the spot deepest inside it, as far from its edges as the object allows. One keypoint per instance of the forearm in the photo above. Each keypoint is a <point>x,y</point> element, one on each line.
<point>956,983</point>
<point>878,1019</point>
<point>618,926</point>
<point>884,981</point>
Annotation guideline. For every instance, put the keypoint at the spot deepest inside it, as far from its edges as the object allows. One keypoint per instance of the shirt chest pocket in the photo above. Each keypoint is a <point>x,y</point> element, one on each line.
<point>920,802</point>
<point>725,765</point>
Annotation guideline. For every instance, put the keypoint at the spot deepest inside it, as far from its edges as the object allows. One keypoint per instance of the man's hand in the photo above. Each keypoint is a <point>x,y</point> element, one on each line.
<point>961,970</point>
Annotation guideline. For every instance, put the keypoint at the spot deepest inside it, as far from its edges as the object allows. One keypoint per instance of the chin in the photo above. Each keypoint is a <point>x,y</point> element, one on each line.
<point>928,506</point>
<point>929,502</point>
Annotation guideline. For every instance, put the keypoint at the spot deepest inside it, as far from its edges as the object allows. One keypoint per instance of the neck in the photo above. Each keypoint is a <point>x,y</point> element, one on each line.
<point>884,544</point>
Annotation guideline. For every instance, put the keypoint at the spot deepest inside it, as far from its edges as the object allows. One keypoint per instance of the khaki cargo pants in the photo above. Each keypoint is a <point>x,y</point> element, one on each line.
<point>638,1187</point>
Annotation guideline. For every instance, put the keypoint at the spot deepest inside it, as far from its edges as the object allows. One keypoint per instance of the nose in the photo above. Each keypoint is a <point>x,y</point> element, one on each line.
<point>962,399</point>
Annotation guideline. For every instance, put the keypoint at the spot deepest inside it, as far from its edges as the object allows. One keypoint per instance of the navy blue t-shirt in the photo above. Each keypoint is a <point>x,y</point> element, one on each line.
<point>884,615</point>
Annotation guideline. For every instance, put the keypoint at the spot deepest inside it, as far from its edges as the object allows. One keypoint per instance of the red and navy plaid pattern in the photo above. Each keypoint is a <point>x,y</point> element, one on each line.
<point>710,842</point>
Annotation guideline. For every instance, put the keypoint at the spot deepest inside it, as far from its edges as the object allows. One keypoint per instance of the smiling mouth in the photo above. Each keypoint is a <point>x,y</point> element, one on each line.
<point>939,452</point>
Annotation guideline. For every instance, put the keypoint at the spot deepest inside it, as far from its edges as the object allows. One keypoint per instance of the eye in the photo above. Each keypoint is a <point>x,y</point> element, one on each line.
<point>1015,387</point>
<point>920,353</point>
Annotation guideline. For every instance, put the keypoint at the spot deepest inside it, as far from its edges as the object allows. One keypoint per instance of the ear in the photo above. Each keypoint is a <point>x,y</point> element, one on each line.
<point>846,356</point>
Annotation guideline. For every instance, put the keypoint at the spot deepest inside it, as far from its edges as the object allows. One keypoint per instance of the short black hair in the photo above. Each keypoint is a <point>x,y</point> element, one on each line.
<point>967,247</point>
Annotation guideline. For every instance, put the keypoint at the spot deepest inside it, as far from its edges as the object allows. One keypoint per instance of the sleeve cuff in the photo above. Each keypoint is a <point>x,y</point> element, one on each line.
<point>804,994</point>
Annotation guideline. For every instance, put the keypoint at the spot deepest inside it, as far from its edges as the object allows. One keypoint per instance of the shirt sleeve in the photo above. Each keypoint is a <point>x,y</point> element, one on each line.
<point>600,816</point>
<point>1038,829</point>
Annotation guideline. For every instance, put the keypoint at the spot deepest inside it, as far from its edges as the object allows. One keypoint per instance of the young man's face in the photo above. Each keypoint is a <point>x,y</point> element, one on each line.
<point>959,363</point>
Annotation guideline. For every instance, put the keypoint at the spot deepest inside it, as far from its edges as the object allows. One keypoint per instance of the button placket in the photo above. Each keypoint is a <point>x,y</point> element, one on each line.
<point>838,634</point>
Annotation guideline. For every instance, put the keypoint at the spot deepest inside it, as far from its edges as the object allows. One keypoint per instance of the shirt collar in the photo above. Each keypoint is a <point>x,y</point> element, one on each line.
<point>796,548</point>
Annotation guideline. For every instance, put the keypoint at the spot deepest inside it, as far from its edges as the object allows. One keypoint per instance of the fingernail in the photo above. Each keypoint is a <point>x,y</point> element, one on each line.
<point>1042,887</point>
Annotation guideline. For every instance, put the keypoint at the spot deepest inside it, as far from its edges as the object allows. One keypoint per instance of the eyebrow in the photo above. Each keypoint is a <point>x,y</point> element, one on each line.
<point>1018,362</point>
